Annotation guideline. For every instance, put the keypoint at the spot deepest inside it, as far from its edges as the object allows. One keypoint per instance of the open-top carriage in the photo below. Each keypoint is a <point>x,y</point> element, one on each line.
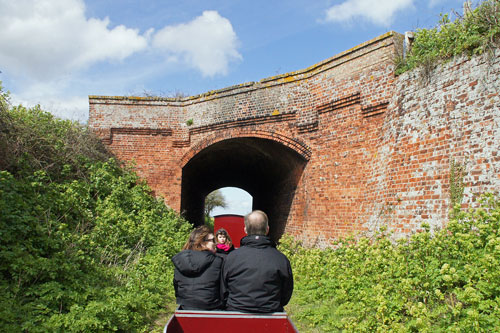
<point>231,321</point>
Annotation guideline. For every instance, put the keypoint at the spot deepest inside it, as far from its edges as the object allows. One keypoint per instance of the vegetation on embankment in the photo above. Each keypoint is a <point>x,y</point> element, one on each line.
<point>473,33</point>
<point>84,247</point>
<point>446,281</point>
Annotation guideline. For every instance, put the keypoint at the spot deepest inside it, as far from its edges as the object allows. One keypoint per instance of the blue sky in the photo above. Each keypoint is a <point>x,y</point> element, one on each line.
<point>57,52</point>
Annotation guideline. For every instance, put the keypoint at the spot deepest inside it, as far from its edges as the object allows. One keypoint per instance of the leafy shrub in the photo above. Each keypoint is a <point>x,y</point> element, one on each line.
<point>32,139</point>
<point>449,281</point>
<point>84,246</point>
<point>473,33</point>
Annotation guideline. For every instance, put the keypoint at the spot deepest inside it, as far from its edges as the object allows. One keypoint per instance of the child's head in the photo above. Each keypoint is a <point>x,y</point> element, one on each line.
<point>222,237</point>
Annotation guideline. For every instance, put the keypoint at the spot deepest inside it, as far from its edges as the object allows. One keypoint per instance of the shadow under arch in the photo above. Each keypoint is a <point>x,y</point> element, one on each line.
<point>268,170</point>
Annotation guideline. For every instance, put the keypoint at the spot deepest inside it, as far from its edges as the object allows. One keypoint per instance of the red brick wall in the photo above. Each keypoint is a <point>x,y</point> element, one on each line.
<point>377,147</point>
<point>450,114</point>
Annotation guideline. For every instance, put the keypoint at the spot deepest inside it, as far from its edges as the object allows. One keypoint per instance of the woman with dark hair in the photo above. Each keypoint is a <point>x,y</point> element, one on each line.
<point>197,272</point>
<point>224,243</point>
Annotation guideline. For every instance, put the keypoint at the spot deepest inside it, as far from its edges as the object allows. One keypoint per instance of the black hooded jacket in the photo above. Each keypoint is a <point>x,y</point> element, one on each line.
<point>197,280</point>
<point>257,277</point>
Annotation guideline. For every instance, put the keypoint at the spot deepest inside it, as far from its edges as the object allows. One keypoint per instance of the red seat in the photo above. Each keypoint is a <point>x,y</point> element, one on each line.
<point>228,321</point>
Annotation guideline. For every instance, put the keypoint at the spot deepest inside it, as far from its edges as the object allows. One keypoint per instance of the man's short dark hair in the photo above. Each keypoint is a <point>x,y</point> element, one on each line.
<point>256,223</point>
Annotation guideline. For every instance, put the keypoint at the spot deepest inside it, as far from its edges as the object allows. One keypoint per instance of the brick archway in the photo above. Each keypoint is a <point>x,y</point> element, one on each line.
<point>302,143</point>
<point>332,150</point>
<point>266,165</point>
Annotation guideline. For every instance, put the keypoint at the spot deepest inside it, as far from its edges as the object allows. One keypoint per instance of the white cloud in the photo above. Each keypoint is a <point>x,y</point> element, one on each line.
<point>207,43</point>
<point>44,39</point>
<point>47,39</point>
<point>379,12</point>
<point>69,107</point>
<point>52,54</point>
<point>50,98</point>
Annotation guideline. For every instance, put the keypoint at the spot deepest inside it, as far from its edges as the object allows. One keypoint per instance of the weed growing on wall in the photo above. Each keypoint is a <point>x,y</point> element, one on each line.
<point>457,173</point>
<point>474,33</point>
<point>445,281</point>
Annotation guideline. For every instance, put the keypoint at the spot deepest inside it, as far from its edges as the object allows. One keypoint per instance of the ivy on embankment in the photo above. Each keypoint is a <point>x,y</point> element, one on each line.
<point>84,246</point>
<point>476,32</point>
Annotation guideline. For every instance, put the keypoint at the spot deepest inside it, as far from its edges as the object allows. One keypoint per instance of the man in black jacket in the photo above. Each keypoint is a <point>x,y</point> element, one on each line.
<point>257,277</point>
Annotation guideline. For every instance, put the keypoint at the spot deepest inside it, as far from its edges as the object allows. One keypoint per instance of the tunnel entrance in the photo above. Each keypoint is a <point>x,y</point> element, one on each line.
<point>268,170</point>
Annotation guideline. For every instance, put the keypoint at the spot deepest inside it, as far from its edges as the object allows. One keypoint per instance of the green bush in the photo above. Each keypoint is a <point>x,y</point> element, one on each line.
<point>32,139</point>
<point>446,281</point>
<point>84,246</point>
<point>473,33</point>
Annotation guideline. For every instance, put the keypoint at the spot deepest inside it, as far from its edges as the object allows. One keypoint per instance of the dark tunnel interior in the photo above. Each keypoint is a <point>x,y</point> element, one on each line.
<point>267,170</point>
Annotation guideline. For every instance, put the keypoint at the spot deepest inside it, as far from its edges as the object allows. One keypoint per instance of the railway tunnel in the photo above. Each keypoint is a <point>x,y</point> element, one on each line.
<point>268,170</point>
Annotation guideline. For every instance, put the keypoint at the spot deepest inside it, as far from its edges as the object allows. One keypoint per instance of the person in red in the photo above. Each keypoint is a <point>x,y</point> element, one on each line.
<point>256,277</point>
<point>224,243</point>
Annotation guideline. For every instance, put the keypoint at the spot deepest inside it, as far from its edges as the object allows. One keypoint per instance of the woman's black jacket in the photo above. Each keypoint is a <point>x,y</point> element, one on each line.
<point>197,280</point>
